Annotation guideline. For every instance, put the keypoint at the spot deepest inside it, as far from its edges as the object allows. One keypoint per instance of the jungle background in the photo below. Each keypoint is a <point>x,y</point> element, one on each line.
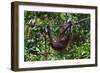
<point>36,46</point>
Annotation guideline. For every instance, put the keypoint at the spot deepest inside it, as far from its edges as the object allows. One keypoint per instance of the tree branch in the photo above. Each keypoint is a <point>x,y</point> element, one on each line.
<point>82,20</point>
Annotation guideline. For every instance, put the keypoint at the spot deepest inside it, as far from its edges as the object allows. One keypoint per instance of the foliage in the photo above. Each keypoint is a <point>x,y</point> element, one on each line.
<point>37,47</point>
